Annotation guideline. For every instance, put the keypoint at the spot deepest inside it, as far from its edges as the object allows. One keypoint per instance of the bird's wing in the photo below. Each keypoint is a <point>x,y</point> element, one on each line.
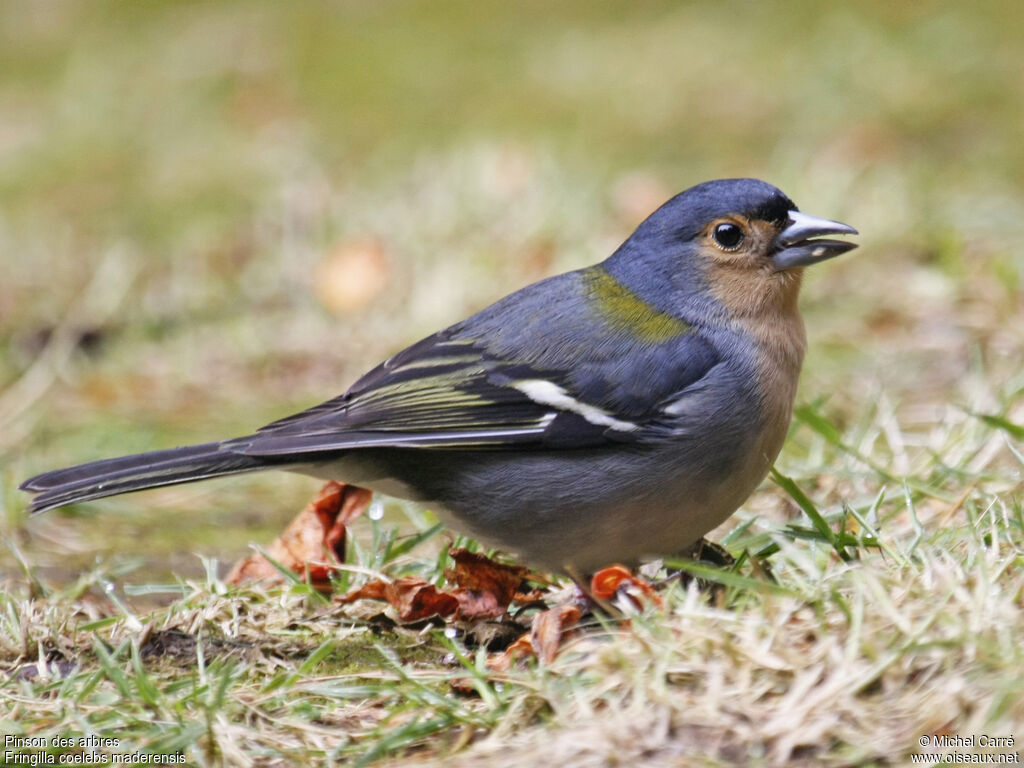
<point>453,392</point>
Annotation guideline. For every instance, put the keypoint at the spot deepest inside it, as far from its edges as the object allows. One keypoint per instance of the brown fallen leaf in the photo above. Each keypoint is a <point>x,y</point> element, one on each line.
<point>484,588</point>
<point>412,597</point>
<point>313,543</point>
<point>545,637</point>
<point>550,627</point>
<point>502,662</point>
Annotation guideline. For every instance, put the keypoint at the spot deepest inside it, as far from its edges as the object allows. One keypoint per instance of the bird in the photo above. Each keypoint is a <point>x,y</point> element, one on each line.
<point>611,414</point>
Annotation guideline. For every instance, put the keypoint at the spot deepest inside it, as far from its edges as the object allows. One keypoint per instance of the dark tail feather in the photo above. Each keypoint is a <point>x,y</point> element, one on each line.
<point>125,474</point>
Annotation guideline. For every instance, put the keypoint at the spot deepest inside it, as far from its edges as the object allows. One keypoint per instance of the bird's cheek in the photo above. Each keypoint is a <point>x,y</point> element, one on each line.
<point>736,288</point>
<point>754,290</point>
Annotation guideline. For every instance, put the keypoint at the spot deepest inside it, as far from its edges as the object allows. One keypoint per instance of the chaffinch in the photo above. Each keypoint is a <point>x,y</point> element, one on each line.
<point>604,415</point>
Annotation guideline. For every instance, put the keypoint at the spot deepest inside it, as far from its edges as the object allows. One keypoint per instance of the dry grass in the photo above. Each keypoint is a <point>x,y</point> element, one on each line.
<point>161,259</point>
<point>888,620</point>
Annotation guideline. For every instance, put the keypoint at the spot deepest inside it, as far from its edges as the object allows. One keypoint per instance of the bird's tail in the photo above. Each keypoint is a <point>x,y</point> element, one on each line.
<point>125,474</point>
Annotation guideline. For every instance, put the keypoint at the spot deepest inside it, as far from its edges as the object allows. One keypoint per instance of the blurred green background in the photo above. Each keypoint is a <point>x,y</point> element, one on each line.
<point>213,214</point>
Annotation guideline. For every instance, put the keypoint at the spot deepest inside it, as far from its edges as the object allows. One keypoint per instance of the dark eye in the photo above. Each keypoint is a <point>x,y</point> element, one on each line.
<point>728,236</point>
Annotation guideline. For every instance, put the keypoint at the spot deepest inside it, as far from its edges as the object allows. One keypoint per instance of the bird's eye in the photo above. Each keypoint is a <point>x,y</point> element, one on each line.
<point>728,236</point>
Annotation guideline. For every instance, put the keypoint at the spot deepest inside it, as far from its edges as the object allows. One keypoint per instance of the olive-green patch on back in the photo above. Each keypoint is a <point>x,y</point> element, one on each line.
<point>625,311</point>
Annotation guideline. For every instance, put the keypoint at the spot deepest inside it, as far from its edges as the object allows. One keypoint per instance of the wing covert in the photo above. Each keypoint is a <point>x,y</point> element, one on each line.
<point>452,391</point>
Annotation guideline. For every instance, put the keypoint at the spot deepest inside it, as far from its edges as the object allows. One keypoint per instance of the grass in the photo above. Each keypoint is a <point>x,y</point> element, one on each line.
<point>890,617</point>
<point>892,614</point>
<point>179,182</point>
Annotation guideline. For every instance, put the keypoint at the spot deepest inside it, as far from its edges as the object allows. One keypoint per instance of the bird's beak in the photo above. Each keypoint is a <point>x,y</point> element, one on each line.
<point>794,246</point>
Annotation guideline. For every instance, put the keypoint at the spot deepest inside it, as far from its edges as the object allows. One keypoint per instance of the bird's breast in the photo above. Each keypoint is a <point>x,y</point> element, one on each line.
<point>779,342</point>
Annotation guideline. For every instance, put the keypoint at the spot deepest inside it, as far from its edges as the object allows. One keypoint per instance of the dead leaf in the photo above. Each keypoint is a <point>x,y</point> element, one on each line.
<point>550,628</point>
<point>533,596</point>
<point>412,597</point>
<point>372,590</point>
<point>313,543</point>
<point>545,637</point>
<point>477,606</point>
<point>502,662</point>
<point>484,588</point>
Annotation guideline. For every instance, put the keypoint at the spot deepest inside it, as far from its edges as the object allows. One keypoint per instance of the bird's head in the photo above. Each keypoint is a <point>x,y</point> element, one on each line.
<point>740,240</point>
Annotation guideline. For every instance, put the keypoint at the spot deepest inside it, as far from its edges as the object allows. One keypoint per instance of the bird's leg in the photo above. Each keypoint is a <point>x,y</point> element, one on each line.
<point>703,551</point>
<point>712,553</point>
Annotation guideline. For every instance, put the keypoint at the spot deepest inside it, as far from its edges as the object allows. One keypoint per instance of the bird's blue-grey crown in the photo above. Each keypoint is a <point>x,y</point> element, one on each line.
<point>684,215</point>
<point>663,262</point>
<point>659,260</point>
